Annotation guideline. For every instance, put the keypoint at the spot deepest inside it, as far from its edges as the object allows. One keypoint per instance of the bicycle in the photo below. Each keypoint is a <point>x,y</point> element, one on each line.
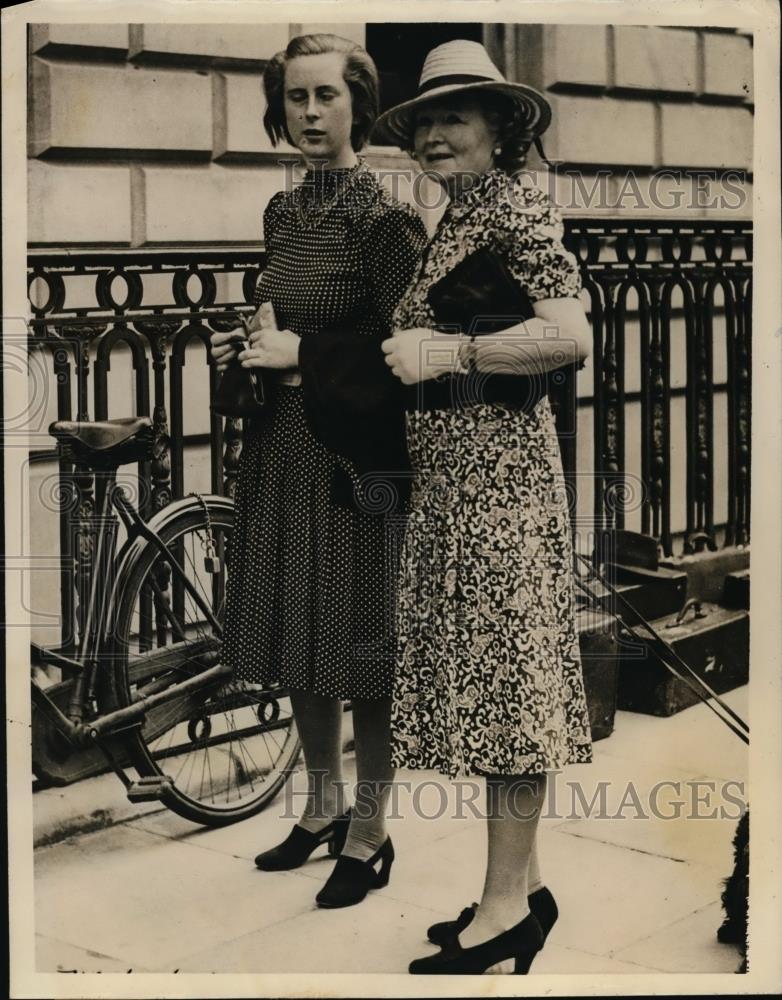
<point>146,688</point>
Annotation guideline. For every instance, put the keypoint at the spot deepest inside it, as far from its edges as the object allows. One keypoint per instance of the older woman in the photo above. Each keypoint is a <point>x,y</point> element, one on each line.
<point>310,586</point>
<point>489,678</point>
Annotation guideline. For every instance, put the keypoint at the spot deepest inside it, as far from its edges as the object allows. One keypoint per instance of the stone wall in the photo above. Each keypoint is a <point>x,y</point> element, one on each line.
<point>150,134</point>
<point>658,101</point>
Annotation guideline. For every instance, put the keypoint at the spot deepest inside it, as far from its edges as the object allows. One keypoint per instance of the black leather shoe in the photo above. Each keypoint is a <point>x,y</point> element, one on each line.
<point>521,943</point>
<point>352,879</point>
<point>541,903</point>
<point>300,843</point>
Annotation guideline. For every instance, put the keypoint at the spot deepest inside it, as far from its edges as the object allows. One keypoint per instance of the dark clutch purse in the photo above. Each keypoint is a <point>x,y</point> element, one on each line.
<point>240,393</point>
<point>479,295</point>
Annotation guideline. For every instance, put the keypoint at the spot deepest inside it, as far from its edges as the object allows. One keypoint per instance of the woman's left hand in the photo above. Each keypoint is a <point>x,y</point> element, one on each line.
<point>271,348</point>
<point>418,354</point>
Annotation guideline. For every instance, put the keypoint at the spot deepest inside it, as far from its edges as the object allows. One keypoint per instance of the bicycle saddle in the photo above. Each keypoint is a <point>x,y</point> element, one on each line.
<point>106,443</point>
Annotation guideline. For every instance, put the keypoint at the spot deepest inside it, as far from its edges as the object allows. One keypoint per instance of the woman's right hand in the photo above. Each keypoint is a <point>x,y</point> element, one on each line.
<point>226,346</point>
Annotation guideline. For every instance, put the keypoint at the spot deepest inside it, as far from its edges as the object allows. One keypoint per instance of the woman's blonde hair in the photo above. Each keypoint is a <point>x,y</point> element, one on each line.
<point>360,74</point>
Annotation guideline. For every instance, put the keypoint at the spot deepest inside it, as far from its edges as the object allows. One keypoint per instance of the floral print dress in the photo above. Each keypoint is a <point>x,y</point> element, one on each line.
<point>489,677</point>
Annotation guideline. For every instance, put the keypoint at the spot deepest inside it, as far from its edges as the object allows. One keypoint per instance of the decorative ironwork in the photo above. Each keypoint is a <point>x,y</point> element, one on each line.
<point>84,488</point>
<point>657,257</point>
<point>233,448</point>
<point>87,305</point>
<point>162,306</point>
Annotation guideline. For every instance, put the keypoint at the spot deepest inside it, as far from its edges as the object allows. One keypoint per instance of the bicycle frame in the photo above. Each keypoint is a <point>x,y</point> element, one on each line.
<point>95,643</point>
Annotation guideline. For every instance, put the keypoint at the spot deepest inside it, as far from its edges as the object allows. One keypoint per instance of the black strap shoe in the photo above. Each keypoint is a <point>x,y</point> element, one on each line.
<point>445,931</point>
<point>300,843</point>
<point>521,943</point>
<point>541,903</point>
<point>352,879</point>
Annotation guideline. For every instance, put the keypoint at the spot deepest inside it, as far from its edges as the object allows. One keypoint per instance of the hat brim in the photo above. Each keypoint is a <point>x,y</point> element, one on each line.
<point>395,124</point>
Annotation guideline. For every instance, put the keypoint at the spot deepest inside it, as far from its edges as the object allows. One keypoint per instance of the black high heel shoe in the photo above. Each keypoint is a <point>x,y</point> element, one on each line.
<point>521,943</point>
<point>300,843</point>
<point>352,879</point>
<point>541,903</point>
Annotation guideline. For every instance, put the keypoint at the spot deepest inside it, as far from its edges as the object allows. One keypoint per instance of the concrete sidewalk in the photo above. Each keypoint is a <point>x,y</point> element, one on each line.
<point>155,893</point>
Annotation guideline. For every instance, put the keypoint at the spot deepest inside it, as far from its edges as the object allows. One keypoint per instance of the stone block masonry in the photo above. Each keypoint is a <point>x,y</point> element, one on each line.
<point>152,133</point>
<point>655,59</point>
<point>238,109</point>
<point>640,97</point>
<point>78,204</point>
<point>209,204</point>
<point>574,55</point>
<point>192,43</point>
<point>601,130</point>
<point>706,136</point>
<point>83,111</point>
<point>727,66</point>
<point>86,41</point>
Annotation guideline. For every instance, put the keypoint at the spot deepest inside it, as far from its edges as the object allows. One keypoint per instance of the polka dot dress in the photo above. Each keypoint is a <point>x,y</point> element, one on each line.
<point>311,584</point>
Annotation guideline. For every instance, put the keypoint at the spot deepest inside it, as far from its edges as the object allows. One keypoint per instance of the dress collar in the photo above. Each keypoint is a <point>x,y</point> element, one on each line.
<point>320,182</point>
<point>345,191</point>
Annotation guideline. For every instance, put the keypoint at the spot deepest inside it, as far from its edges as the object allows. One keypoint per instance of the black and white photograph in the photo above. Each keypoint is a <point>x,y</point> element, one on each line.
<point>391,392</point>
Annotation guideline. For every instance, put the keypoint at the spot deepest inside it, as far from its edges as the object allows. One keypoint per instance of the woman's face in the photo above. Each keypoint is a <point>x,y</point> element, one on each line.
<point>453,141</point>
<point>319,108</point>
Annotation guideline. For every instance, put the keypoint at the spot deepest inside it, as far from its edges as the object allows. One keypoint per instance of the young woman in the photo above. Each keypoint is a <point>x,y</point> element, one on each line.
<point>310,585</point>
<point>489,678</point>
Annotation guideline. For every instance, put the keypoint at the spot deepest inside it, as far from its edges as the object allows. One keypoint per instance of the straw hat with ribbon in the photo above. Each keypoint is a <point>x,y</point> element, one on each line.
<point>456,67</point>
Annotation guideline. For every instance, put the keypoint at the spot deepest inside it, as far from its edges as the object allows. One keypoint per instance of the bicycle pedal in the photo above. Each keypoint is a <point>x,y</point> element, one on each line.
<point>149,789</point>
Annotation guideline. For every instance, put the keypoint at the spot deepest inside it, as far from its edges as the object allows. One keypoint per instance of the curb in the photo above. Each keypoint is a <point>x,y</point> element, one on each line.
<point>64,812</point>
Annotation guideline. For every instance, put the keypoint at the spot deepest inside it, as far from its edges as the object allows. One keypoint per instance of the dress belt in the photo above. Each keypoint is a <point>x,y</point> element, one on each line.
<point>289,377</point>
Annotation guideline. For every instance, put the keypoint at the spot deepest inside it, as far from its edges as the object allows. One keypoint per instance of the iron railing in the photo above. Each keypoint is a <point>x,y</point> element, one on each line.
<point>157,302</point>
<point>655,259</point>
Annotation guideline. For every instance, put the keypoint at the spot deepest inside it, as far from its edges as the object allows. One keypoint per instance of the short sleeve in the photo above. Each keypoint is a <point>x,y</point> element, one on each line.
<point>530,234</point>
<point>394,245</point>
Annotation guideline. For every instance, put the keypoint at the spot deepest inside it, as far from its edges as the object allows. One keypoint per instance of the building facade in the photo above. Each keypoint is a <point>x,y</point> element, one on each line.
<point>147,157</point>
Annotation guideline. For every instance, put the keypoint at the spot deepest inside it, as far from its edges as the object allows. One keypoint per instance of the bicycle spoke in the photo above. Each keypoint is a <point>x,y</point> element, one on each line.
<point>273,740</point>
<point>204,772</point>
<point>192,758</point>
<point>211,778</point>
<point>242,751</point>
<point>181,769</point>
<point>171,738</point>
<point>196,582</point>
<point>230,759</point>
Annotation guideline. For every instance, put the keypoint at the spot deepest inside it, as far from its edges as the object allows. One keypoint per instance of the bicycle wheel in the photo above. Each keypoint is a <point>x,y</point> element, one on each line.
<point>228,748</point>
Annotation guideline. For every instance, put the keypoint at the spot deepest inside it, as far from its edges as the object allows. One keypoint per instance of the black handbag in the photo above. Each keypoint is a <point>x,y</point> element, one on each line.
<point>479,295</point>
<point>240,393</point>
